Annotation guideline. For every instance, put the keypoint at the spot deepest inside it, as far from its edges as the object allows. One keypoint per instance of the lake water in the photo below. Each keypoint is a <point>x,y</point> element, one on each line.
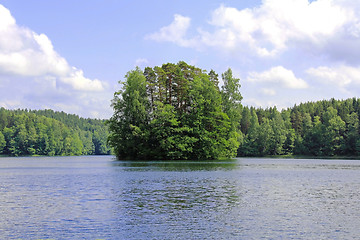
<point>100,198</point>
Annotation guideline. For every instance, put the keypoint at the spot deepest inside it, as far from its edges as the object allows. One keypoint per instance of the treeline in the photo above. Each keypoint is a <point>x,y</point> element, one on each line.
<point>187,123</point>
<point>323,128</point>
<point>46,132</point>
<point>178,111</point>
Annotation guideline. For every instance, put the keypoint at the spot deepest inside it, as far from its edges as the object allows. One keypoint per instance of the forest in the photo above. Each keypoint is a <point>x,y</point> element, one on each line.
<point>178,111</point>
<point>50,133</point>
<point>322,128</point>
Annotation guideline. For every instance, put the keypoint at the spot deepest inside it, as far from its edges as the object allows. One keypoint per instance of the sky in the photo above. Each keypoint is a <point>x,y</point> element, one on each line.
<point>70,55</point>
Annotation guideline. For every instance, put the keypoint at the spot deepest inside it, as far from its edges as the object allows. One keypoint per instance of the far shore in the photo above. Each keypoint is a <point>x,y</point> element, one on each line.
<point>260,157</point>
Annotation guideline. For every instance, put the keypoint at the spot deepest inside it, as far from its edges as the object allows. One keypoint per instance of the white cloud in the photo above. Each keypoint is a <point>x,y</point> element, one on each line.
<point>175,32</point>
<point>341,76</point>
<point>26,53</point>
<point>279,24</point>
<point>77,80</point>
<point>33,75</point>
<point>298,34</point>
<point>10,104</point>
<point>42,93</point>
<point>268,91</point>
<point>274,27</point>
<point>278,75</point>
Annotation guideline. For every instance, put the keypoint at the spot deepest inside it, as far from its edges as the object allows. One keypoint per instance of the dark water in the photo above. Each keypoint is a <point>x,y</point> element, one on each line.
<point>98,198</point>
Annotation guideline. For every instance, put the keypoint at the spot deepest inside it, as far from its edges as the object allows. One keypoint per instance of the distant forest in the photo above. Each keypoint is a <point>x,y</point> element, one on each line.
<point>322,128</point>
<point>50,133</point>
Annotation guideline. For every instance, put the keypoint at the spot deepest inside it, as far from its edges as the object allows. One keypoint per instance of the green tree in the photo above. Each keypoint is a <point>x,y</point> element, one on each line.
<point>128,124</point>
<point>9,139</point>
<point>168,139</point>
<point>99,139</point>
<point>313,143</point>
<point>86,138</point>
<point>279,133</point>
<point>245,120</point>
<point>209,124</point>
<point>231,98</point>
<point>334,132</point>
<point>2,142</point>
<point>175,112</point>
<point>231,105</point>
<point>289,143</point>
<point>249,146</point>
<point>352,134</point>
<point>46,132</point>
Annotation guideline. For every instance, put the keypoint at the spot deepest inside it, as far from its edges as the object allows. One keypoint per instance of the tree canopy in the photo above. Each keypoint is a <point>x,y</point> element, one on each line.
<point>176,111</point>
<point>45,132</point>
<point>323,128</point>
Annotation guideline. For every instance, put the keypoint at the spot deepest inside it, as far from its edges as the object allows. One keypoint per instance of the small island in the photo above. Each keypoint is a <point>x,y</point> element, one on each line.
<point>176,112</point>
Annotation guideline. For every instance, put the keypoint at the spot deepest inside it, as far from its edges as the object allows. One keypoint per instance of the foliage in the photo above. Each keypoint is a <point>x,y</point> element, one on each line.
<point>323,128</point>
<point>176,111</point>
<point>45,132</point>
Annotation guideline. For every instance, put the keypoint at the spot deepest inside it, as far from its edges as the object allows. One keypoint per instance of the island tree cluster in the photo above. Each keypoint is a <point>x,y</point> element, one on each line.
<point>176,111</point>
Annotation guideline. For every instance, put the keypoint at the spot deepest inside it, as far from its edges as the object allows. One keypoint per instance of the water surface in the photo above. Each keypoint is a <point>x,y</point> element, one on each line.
<point>100,198</point>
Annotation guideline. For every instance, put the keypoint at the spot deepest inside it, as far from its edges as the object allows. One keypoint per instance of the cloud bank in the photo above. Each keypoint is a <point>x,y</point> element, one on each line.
<point>272,28</point>
<point>28,61</point>
<point>278,75</point>
<point>175,32</point>
<point>318,41</point>
<point>26,53</point>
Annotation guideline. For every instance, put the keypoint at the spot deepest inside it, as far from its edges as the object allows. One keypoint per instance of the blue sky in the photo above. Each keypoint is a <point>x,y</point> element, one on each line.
<point>70,55</point>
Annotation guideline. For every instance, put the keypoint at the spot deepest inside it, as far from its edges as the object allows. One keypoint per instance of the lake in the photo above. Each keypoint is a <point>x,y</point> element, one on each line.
<point>96,197</point>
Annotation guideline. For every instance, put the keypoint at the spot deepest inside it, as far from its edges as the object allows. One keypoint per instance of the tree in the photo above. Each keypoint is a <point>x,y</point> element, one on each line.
<point>209,124</point>
<point>313,142</point>
<point>289,144</point>
<point>128,124</point>
<point>265,139</point>
<point>231,105</point>
<point>99,139</point>
<point>214,78</point>
<point>168,140</point>
<point>279,133</point>
<point>334,132</point>
<point>231,98</point>
<point>151,80</point>
<point>45,132</point>
<point>249,146</point>
<point>175,111</point>
<point>2,142</point>
<point>245,120</point>
<point>86,140</point>
<point>352,134</point>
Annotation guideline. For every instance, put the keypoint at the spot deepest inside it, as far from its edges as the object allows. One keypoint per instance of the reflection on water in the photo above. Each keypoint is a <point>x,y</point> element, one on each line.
<point>177,165</point>
<point>181,206</point>
<point>97,197</point>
